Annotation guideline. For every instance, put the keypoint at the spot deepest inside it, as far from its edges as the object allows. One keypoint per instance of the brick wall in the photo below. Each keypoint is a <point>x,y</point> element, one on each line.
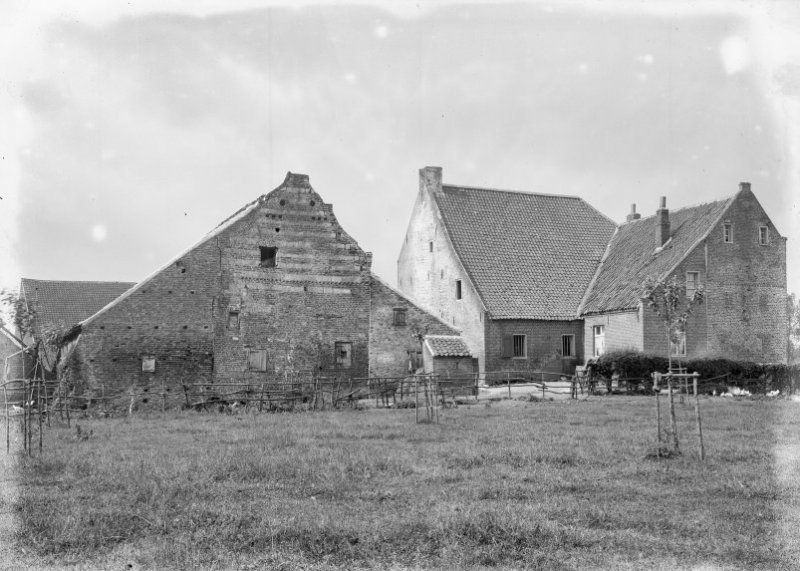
<point>318,292</point>
<point>543,345</point>
<point>389,343</point>
<point>746,286</point>
<point>427,270</point>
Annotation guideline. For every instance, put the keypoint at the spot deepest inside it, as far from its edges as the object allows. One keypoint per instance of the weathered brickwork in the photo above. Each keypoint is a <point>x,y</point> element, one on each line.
<point>428,271</point>
<point>543,345</point>
<point>746,285</point>
<point>276,290</point>
<point>390,342</point>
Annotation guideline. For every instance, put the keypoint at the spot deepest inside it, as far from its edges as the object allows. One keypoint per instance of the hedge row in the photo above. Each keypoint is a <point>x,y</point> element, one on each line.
<point>757,376</point>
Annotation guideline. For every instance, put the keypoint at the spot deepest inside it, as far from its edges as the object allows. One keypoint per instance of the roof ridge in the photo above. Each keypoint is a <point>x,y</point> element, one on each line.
<point>512,191</point>
<point>77,281</point>
<point>681,209</point>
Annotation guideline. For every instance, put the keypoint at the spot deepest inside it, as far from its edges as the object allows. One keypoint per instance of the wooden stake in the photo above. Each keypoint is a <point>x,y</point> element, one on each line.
<point>672,421</point>
<point>697,418</point>
<point>416,401</point>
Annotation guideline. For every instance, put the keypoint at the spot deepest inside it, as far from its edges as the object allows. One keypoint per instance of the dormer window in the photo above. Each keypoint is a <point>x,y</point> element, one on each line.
<point>268,256</point>
<point>727,232</point>
<point>763,235</point>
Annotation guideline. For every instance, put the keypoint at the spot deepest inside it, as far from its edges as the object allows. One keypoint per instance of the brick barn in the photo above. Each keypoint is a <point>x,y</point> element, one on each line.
<point>276,289</point>
<point>540,281</point>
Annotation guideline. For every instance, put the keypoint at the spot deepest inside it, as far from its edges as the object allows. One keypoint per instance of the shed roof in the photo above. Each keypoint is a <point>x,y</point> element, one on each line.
<point>632,255</point>
<point>530,256</point>
<point>62,304</point>
<point>447,346</point>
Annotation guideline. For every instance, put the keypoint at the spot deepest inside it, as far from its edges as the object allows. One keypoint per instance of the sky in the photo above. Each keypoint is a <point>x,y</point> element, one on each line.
<point>128,130</point>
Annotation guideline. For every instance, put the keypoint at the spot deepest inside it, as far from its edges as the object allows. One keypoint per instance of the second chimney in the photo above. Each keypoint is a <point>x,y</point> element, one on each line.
<point>431,178</point>
<point>633,215</point>
<point>662,223</point>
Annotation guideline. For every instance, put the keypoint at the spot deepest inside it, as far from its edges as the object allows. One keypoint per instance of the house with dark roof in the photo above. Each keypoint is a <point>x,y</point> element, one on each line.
<point>275,290</point>
<point>508,269</point>
<point>56,306</point>
<point>541,281</point>
<point>730,247</point>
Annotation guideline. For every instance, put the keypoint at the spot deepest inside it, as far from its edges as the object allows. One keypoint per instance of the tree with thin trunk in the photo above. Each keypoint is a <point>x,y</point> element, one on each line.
<point>668,298</point>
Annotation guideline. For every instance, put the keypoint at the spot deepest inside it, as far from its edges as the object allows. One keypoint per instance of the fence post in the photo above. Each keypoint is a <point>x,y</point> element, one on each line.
<point>508,382</point>
<point>416,401</point>
<point>697,417</point>
<point>8,421</point>
<point>39,409</point>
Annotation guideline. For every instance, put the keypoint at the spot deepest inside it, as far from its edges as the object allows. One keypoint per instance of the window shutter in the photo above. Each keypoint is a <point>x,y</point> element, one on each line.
<point>508,346</point>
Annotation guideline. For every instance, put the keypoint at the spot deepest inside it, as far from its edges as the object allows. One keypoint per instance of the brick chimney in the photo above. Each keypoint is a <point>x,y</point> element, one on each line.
<point>662,223</point>
<point>430,178</point>
<point>744,186</point>
<point>633,215</point>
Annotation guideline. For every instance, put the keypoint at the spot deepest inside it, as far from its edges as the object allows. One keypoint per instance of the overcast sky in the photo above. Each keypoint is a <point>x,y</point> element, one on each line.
<point>130,129</point>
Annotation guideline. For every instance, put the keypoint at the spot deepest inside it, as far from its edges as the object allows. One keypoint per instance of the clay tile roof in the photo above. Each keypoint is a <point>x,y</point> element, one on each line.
<point>447,346</point>
<point>530,256</point>
<point>62,304</point>
<point>632,255</point>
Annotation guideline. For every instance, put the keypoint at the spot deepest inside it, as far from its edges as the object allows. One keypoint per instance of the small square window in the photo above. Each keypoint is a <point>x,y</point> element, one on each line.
<point>268,256</point>
<point>344,354</point>
<point>399,316</point>
<point>148,363</point>
<point>256,359</point>
<point>515,346</point>
<point>567,345</point>
<point>763,235</point>
<point>233,320</point>
<point>727,232</point>
<point>458,289</point>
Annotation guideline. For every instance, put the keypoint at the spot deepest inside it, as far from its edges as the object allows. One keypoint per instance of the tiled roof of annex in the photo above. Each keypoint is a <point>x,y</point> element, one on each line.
<point>447,346</point>
<point>632,255</point>
<point>530,256</point>
<point>62,304</point>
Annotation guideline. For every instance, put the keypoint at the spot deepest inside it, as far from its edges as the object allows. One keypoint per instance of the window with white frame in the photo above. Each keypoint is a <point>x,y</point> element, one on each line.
<point>678,345</point>
<point>692,283</point>
<point>763,235</point>
<point>567,345</point>
<point>598,340</point>
<point>727,232</point>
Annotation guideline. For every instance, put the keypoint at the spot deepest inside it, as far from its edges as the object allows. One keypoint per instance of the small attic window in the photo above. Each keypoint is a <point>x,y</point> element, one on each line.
<point>727,232</point>
<point>458,289</point>
<point>763,235</point>
<point>268,256</point>
<point>399,317</point>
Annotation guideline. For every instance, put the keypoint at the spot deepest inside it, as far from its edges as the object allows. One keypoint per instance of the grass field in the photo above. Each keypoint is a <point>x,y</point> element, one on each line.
<point>510,484</point>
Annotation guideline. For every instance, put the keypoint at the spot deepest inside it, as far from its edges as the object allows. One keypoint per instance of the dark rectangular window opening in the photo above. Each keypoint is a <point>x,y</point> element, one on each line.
<point>399,316</point>
<point>520,346</point>
<point>233,320</point>
<point>344,354</point>
<point>268,256</point>
<point>763,235</point>
<point>727,232</point>
<point>256,359</point>
<point>567,345</point>
<point>458,289</point>
<point>430,246</point>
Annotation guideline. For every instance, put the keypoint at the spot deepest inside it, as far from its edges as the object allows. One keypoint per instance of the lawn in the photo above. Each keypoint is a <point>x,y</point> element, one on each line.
<point>506,484</point>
